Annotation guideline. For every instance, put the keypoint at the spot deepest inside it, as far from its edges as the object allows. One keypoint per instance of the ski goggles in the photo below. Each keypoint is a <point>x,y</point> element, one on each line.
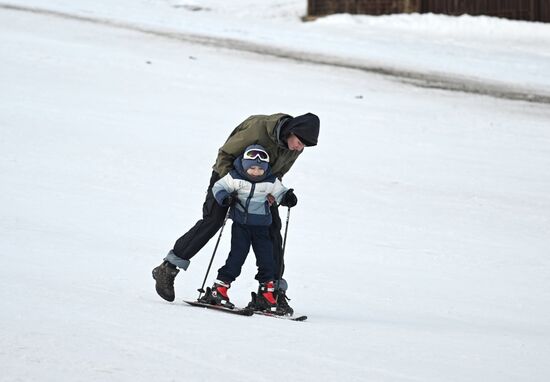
<point>256,154</point>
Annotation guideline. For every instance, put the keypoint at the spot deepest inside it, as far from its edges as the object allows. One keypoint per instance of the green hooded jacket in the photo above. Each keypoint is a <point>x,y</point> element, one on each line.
<point>261,130</point>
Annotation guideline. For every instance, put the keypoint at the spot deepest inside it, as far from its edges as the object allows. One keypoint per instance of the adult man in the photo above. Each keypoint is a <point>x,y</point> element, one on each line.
<point>284,138</point>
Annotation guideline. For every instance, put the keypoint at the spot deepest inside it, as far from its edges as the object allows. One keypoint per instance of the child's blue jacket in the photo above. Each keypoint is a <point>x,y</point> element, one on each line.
<point>251,207</point>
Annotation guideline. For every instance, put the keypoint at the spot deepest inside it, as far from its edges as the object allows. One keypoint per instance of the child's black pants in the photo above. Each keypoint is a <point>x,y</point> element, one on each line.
<point>242,237</point>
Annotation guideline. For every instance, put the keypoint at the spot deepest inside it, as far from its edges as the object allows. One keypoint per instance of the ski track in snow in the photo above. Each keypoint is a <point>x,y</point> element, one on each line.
<point>428,79</point>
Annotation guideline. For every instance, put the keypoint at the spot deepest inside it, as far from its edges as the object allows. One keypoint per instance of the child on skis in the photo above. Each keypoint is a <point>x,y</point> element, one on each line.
<point>249,190</point>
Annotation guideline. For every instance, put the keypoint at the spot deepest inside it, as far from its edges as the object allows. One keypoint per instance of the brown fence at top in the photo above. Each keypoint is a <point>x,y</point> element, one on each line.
<point>369,7</point>
<point>512,9</point>
<point>532,10</point>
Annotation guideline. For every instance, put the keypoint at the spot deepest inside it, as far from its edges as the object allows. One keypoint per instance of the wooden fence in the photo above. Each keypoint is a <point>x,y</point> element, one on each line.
<point>371,7</point>
<point>531,10</point>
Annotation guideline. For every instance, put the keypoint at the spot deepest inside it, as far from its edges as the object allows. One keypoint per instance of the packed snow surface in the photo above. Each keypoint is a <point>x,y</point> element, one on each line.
<point>502,52</point>
<point>419,245</point>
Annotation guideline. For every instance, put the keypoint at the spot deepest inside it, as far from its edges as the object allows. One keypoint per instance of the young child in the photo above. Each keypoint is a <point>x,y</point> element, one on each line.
<point>249,190</point>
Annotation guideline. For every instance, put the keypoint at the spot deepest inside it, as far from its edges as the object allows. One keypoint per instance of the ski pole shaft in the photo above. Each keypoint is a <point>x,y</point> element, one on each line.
<point>281,259</point>
<point>286,231</point>
<point>201,289</point>
<point>280,275</point>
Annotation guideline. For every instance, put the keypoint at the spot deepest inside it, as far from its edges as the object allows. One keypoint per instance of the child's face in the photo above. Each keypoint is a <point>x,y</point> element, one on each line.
<point>255,171</point>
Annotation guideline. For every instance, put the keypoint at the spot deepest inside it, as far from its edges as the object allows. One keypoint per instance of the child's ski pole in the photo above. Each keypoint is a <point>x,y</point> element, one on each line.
<point>201,289</point>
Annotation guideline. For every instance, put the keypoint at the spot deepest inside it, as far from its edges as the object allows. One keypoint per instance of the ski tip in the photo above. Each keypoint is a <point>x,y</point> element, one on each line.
<point>239,311</point>
<point>290,318</point>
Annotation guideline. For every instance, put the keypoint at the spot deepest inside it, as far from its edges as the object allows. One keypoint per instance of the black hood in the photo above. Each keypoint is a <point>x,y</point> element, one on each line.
<point>305,127</point>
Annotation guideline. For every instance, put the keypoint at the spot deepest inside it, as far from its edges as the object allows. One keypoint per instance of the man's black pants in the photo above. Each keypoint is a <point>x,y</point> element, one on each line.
<point>213,216</point>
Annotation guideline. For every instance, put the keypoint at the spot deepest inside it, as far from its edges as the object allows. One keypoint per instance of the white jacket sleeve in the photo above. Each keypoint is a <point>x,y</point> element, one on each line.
<point>223,187</point>
<point>279,190</point>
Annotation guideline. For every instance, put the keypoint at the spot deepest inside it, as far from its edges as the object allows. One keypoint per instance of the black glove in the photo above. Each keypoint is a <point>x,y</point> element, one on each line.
<point>289,200</point>
<point>229,200</point>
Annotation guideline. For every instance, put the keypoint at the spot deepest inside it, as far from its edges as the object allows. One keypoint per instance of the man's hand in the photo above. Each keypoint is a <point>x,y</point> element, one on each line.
<point>289,200</point>
<point>270,199</point>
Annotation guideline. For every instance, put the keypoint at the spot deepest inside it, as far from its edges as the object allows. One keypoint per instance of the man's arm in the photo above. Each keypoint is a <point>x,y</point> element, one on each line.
<point>232,148</point>
<point>229,151</point>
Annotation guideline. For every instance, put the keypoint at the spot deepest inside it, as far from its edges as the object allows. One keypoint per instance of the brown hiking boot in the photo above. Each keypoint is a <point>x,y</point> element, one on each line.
<point>164,275</point>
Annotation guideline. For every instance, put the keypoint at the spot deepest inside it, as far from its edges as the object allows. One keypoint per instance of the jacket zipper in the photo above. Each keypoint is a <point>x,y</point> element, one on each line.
<point>248,202</point>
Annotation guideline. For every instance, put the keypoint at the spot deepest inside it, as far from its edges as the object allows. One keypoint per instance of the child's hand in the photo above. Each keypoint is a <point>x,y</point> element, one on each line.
<point>270,199</point>
<point>289,199</point>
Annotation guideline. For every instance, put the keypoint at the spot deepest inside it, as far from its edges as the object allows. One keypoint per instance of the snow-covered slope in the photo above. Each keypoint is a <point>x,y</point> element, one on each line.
<point>480,54</point>
<point>418,247</point>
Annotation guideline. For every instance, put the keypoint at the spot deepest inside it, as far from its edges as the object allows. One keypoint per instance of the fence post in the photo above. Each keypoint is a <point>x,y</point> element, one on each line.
<point>535,10</point>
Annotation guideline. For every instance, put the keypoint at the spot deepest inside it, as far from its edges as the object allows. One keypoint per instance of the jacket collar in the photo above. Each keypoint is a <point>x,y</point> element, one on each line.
<point>281,142</point>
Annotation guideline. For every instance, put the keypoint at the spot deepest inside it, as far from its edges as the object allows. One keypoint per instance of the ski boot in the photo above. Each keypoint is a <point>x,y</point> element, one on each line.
<point>164,276</point>
<point>217,295</point>
<point>269,300</point>
<point>282,303</point>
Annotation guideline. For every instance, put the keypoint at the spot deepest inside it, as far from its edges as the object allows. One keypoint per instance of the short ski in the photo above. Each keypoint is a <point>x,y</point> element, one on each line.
<point>291,318</point>
<point>238,311</point>
<point>243,311</point>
